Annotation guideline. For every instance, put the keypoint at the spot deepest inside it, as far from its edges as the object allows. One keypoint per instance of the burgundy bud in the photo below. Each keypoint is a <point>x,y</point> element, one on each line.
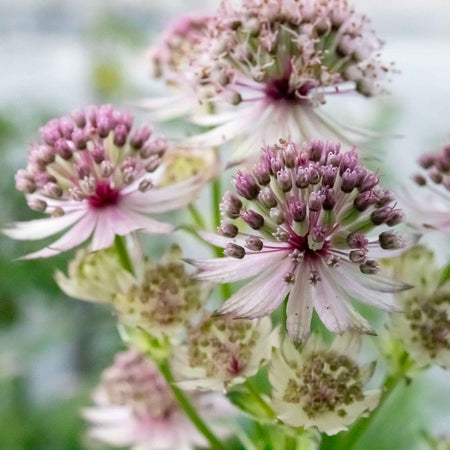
<point>37,204</point>
<point>262,173</point>
<point>104,126</point>
<point>234,251</point>
<point>381,215</point>
<point>348,181</point>
<point>302,178</point>
<point>79,117</point>
<point>364,200</point>
<point>53,190</point>
<point>334,159</point>
<point>315,150</point>
<point>120,135</point>
<point>435,175</point>
<point>318,234</point>
<point>79,139</point>
<point>390,240</point>
<point>296,209</point>
<point>426,160</point>
<point>329,176</point>
<point>357,256</point>
<point>277,216</point>
<point>228,230</point>
<point>63,149</point>
<point>231,206</point>
<point>145,185</point>
<point>315,202</point>
<point>396,218</point>
<point>152,163</point>
<point>384,197</point>
<point>246,186</point>
<point>253,219</point>
<point>313,176</point>
<point>98,153</point>
<point>329,200</point>
<point>349,161</point>
<point>254,243</point>
<point>139,137</point>
<point>370,267</point>
<point>357,240</point>
<point>370,181</point>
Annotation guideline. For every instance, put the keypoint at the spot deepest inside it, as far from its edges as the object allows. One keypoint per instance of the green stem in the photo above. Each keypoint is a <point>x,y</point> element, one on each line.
<point>187,407</point>
<point>216,199</point>
<point>196,216</point>
<point>290,443</point>
<point>258,397</point>
<point>124,258</point>
<point>360,428</point>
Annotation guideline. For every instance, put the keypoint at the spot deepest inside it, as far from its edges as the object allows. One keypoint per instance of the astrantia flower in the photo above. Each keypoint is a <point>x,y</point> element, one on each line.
<point>135,407</point>
<point>429,207</point>
<point>315,214</point>
<point>94,174</point>
<point>273,63</point>
<point>220,352</point>
<point>424,328</point>
<point>321,387</point>
<point>174,58</point>
<point>161,299</point>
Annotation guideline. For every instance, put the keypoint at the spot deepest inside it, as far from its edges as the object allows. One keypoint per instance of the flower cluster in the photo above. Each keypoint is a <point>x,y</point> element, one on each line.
<point>274,62</point>
<point>135,407</point>
<point>313,215</point>
<point>432,211</point>
<point>220,352</point>
<point>321,386</point>
<point>160,299</point>
<point>94,173</point>
<point>424,328</point>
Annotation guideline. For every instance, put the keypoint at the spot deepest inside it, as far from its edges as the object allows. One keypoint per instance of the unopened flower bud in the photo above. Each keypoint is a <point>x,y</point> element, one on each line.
<point>254,243</point>
<point>390,240</point>
<point>234,251</point>
<point>267,198</point>
<point>370,267</point>
<point>231,206</point>
<point>246,186</point>
<point>357,256</point>
<point>228,230</point>
<point>253,219</point>
<point>37,204</point>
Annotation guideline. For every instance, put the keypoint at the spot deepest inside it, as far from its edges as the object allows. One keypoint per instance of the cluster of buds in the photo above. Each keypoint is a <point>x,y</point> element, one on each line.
<point>310,212</point>
<point>321,386</point>
<point>292,50</point>
<point>220,352</point>
<point>424,328</point>
<point>91,155</point>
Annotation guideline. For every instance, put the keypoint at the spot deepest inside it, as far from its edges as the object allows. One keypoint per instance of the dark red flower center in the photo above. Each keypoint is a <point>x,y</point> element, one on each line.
<point>104,196</point>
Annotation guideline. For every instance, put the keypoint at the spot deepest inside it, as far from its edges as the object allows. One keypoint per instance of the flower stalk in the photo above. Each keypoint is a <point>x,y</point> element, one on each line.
<point>125,261</point>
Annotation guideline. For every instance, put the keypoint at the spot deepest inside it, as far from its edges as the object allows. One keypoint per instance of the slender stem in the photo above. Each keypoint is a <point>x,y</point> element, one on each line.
<point>216,199</point>
<point>360,428</point>
<point>121,248</point>
<point>197,216</point>
<point>187,407</point>
<point>258,397</point>
<point>290,443</point>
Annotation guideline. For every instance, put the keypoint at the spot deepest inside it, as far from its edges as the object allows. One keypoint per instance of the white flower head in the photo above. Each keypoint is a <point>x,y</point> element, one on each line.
<point>96,175</point>
<point>424,327</point>
<point>135,407</point>
<point>220,352</point>
<point>320,386</point>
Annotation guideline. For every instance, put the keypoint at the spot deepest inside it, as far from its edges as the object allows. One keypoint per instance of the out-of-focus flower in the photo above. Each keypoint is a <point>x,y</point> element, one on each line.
<point>161,299</point>
<point>321,387</point>
<point>315,214</point>
<point>135,407</point>
<point>174,58</point>
<point>220,352</point>
<point>429,207</point>
<point>96,176</point>
<point>424,328</point>
<point>273,63</point>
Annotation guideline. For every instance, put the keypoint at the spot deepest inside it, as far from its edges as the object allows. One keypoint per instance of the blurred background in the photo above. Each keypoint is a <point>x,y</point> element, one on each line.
<point>56,55</point>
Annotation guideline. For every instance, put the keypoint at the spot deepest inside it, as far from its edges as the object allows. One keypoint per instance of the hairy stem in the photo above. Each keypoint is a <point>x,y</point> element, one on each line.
<point>124,257</point>
<point>187,407</point>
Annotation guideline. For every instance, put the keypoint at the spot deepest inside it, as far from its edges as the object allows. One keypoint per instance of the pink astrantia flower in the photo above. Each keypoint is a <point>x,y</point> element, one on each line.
<point>429,207</point>
<point>94,174</point>
<point>135,407</point>
<point>174,59</point>
<point>273,63</point>
<point>317,216</point>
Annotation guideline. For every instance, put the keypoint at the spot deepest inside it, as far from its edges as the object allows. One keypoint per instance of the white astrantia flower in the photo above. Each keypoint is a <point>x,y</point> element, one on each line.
<point>220,352</point>
<point>321,386</point>
<point>311,223</point>
<point>268,66</point>
<point>428,202</point>
<point>424,327</point>
<point>92,173</point>
<point>134,406</point>
<point>161,298</point>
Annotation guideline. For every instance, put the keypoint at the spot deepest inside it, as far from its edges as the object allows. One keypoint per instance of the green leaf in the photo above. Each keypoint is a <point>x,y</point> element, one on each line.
<point>247,403</point>
<point>445,276</point>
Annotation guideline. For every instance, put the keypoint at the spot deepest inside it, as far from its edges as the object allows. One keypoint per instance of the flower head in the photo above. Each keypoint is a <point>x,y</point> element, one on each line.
<point>424,328</point>
<point>321,387</point>
<point>314,215</point>
<point>272,63</point>
<point>93,173</point>
<point>432,210</point>
<point>220,352</point>
<point>135,407</point>
<point>161,299</point>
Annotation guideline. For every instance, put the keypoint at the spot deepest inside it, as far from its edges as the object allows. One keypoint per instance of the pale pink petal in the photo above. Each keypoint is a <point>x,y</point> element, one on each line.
<point>104,233</point>
<point>42,228</point>
<point>378,252</point>
<point>146,224</point>
<point>262,295</point>
<point>227,270</point>
<point>107,414</point>
<point>79,233</point>
<point>332,306</point>
<point>300,307</point>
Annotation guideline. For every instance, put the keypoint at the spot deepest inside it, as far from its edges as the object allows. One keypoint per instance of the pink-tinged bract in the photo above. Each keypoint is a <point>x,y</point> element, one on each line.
<point>318,222</point>
<point>93,173</point>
